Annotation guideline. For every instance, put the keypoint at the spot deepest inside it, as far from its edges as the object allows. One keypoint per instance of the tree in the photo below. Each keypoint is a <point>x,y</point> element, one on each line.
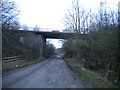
<point>36,28</point>
<point>49,49</point>
<point>25,27</point>
<point>98,42</point>
<point>9,15</point>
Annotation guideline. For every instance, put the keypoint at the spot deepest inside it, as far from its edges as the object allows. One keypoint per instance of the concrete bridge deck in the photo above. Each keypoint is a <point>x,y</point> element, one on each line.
<point>45,34</point>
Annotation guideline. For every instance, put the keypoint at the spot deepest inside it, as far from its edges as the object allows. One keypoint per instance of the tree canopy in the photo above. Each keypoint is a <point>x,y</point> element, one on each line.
<point>9,13</point>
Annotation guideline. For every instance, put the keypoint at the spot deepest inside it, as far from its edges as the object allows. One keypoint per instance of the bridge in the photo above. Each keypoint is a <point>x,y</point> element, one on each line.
<point>52,35</point>
<point>45,35</point>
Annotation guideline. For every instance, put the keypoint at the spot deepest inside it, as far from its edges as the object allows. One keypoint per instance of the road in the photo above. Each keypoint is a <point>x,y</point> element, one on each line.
<point>51,73</point>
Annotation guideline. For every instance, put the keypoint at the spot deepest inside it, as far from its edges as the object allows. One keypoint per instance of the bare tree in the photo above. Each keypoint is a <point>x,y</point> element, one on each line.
<point>98,43</point>
<point>25,27</point>
<point>77,19</point>
<point>36,28</point>
<point>9,14</point>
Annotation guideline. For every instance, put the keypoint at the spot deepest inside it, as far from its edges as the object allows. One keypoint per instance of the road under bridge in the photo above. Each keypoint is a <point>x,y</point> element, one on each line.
<point>53,35</point>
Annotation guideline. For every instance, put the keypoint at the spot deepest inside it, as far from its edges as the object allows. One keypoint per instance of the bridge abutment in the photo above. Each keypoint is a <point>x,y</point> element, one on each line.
<point>44,46</point>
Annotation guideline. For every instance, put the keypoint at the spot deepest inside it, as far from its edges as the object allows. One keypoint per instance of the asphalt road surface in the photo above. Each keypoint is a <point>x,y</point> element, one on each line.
<point>51,73</point>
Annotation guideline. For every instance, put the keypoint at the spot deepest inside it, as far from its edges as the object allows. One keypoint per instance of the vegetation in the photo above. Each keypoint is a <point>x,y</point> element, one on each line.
<point>19,63</point>
<point>9,15</point>
<point>21,43</point>
<point>95,43</point>
<point>27,44</point>
<point>97,79</point>
<point>49,49</point>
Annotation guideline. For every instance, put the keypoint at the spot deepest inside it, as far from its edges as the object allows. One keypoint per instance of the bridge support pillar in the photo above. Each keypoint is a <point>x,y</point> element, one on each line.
<point>44,46</point>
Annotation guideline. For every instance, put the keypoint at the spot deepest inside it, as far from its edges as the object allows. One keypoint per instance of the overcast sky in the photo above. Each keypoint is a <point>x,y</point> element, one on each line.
<point>49,14</point>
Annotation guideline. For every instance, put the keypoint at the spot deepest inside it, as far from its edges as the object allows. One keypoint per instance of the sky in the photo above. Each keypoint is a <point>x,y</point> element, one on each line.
<point>49,14</point>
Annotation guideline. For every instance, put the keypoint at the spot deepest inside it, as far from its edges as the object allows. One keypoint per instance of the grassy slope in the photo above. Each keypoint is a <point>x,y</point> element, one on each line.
<point>19,63</point>
<point>97,79</point>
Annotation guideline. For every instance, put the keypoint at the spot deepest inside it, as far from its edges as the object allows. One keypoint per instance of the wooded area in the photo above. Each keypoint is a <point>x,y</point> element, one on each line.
<point>96,41</point>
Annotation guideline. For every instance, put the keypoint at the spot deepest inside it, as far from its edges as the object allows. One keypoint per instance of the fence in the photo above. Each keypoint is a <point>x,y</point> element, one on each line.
<point>11,59</point>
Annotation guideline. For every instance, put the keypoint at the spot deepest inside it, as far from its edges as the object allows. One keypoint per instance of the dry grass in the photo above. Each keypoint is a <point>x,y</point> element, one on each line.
<point>19,63</point>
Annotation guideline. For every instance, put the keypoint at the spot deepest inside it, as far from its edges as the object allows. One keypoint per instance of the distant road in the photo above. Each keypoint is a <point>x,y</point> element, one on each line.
<point>53,73</point>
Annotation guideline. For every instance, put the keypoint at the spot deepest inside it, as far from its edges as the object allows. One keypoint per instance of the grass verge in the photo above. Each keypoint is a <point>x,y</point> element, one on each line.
<point>97,79</point>
<point>19,63</point>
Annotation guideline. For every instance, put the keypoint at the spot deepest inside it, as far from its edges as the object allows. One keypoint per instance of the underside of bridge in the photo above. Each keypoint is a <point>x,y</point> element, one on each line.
<point>53,35</point>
